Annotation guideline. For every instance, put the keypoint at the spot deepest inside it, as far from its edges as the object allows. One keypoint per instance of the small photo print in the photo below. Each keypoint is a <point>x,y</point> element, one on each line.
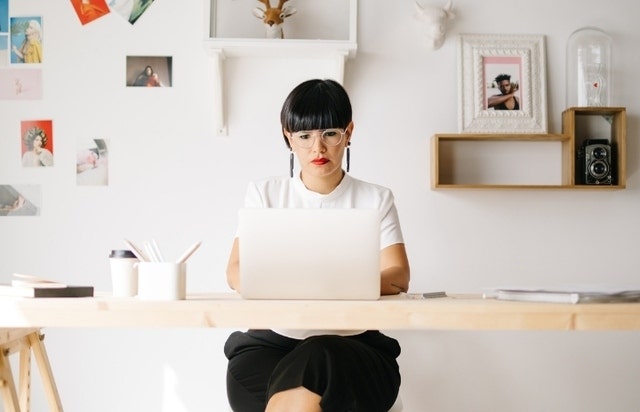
<point>149,71</point>
<point>90,10</point>
<point>37,143</point>
<point>502,79</point>
<point>131,10</point>
<point>92,163</point>
<point>20,84</point>
<point>4,49</point>
<point>4,16</point>
<point>20,200</point>
<point>26,40</point>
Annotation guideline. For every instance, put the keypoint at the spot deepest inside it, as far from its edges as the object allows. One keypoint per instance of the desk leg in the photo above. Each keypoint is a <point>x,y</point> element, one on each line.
<point>7,386</point>
<point>25,377</point>
<point>50,388</point>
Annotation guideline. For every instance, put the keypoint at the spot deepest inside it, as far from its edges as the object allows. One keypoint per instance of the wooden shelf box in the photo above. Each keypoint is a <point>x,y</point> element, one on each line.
<point>530,161</point>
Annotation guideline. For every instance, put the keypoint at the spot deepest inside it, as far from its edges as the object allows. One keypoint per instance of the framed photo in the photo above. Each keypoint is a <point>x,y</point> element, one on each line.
<point>502,84</point>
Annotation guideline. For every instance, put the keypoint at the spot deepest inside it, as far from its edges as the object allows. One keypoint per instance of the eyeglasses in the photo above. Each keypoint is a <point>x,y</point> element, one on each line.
<point>306,138</point>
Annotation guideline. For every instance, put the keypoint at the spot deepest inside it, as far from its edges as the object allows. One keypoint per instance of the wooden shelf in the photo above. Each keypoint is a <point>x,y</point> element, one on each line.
<point>523,161</point>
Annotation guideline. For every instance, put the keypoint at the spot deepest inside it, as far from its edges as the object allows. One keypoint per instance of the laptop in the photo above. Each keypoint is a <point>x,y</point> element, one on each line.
<point>309,253</point>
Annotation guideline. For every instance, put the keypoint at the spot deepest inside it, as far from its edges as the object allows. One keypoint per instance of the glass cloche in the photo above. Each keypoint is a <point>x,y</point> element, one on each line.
<point>589,68</point>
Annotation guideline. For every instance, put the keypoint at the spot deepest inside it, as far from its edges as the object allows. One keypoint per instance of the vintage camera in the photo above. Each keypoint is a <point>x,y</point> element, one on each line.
<point>595,159</point>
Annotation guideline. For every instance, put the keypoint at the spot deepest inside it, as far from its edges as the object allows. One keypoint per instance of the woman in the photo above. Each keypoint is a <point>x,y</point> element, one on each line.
<point>144,77</point>
<point>35,138</point>
<point>31,49</point>
<point>306,370</point>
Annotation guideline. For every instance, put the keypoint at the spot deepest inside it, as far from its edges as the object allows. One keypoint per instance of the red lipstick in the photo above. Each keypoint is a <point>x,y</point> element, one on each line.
<point>321,161</point>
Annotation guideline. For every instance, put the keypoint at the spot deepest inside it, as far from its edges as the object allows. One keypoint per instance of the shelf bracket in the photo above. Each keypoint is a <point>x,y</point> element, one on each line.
<point>341,61</point>
<point>221,116</point>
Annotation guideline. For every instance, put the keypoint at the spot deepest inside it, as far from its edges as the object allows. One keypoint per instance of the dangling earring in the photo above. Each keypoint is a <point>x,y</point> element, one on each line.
<point>348,157</point>
<point>291,164</point>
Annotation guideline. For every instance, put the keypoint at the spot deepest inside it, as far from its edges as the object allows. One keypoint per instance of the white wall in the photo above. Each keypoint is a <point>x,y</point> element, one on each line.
<point>173,179</point>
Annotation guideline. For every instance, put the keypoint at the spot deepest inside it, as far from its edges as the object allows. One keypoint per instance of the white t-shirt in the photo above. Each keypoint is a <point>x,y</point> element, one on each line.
<point>351,193</point>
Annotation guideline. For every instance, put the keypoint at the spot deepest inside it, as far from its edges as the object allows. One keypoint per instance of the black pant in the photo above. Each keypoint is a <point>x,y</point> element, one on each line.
<point>350,373</point>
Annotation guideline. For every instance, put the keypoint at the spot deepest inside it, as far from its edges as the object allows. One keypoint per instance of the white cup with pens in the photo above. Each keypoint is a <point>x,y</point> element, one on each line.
<point>159,279</point>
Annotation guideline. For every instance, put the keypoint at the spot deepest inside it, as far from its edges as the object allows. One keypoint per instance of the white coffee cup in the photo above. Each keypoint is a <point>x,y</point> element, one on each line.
<point>124,273</point>
<point>162,280</point>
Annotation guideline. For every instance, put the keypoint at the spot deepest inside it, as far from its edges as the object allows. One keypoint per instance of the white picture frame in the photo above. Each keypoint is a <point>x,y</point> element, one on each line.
<point>480,58</point>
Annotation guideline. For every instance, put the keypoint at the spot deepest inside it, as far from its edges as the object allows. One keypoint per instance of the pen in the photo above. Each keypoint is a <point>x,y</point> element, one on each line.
<point>156,250</point>
<point>136,251</point>
<point>189,252</point>
<point>150,251</point>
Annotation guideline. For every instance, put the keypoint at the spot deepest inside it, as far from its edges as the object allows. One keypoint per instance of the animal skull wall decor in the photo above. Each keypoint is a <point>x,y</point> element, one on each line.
<point>435,20</point>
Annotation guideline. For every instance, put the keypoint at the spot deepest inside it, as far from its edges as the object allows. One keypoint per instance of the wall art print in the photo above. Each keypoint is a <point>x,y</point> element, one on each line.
<point>502,84</point>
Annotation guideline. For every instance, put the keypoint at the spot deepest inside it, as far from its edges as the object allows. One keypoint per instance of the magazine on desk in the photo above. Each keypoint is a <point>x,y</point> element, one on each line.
<point>28,286</point>
<point>565,295</point>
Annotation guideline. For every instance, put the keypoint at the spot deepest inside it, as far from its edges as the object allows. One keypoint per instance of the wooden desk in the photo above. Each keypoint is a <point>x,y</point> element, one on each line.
<point>226,310</point>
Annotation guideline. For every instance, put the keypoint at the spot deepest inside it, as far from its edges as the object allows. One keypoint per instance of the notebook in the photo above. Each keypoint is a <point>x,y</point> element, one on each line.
<point>309,253</point>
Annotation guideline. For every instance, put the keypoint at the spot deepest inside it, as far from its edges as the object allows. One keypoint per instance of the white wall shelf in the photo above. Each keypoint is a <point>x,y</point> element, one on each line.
<point>220,47</point>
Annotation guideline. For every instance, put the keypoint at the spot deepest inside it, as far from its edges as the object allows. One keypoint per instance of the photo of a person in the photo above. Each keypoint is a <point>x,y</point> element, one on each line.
<point>27,32</point>
<point>508,98</point>
<point>37,145</point>
<point>90,10</point>
<point>149,71</point>
<point>503,89</point>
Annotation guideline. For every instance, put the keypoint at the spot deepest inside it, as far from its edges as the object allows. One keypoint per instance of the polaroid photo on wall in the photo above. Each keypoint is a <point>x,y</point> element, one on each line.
<point>4,50</point>
<point>20,200</point>
<point>4,16</point>
<point>149,71</point>
<point>92,162</point>
<point>20,84</point>
<point>130,10</point>
<point>27,40</point>
<point>90,10</point>
<point>37,143</point>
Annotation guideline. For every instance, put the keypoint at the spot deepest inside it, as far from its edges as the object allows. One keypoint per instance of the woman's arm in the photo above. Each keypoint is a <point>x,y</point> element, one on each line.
<point>233,267</point>
<point>395,272</point>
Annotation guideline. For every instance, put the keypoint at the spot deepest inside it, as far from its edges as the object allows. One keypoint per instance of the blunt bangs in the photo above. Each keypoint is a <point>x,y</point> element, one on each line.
<point>321,105</point>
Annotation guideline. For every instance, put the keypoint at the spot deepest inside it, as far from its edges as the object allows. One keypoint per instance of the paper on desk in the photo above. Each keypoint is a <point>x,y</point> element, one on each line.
<point>575,294</point>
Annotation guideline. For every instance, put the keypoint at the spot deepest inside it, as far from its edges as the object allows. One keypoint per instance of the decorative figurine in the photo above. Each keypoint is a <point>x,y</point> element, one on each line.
<point>435,22</point>
<point>273,17</point>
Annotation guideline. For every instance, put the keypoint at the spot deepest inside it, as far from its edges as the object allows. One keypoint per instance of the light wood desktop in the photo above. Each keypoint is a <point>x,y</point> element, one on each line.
<point>24,317</point>
<point>404,312</point>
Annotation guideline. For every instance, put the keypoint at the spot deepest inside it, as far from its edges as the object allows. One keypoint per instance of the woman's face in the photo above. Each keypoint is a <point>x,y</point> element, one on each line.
<point>320,160</point>
<point>31,29</point>
<point>37,142</point>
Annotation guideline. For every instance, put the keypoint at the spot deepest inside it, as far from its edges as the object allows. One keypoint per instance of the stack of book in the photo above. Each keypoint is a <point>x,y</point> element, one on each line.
<point>564,295</point>
<point>29,286</point>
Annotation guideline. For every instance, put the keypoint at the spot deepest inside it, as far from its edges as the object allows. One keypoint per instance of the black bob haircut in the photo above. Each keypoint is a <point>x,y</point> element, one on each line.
<point>316,104</point>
